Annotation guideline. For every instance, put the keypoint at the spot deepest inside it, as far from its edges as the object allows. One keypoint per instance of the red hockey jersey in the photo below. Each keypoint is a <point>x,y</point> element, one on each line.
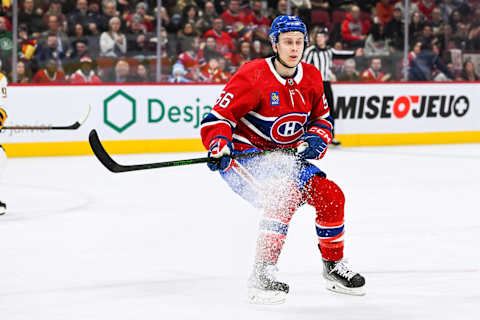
<point>260,109</point>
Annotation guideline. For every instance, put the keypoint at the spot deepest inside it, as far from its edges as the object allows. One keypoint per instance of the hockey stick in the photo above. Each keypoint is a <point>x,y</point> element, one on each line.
<point>74,126</point>
<point>113,166</point>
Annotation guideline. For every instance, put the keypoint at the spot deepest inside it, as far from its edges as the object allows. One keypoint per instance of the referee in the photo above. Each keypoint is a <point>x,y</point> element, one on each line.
<point>321,56</point>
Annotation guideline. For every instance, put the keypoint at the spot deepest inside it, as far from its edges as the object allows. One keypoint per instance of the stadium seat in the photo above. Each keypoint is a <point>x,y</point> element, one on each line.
<point>365,16</point>
<point>320,17</point>
<point>338,16</point>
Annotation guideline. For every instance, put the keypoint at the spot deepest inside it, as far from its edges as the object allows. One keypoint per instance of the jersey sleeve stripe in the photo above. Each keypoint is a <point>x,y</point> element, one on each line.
<point>220,117</point>
<point>254,129</point>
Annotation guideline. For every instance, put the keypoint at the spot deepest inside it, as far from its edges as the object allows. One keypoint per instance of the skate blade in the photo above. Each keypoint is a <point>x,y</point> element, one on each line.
<point>336,287</point>
<point>259,296</point>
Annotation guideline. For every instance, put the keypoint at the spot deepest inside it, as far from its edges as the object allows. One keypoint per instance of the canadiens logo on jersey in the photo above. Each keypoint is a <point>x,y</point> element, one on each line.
<point>288,128</point>
<point>274,99</point>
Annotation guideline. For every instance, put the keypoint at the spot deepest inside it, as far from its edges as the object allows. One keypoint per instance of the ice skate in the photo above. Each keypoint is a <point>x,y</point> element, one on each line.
<point>263,288</point>
<point>3,208</point>
<point>341,279</point>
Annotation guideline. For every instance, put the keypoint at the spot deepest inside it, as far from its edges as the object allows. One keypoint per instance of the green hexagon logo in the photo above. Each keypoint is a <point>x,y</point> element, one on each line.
<point>119,111</point>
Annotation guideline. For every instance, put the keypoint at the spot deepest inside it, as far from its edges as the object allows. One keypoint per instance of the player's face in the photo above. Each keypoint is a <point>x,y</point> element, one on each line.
<point>290,47</point>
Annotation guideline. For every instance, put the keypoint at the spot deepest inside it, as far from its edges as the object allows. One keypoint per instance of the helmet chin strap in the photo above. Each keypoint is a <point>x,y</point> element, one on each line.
<point>277,57</point>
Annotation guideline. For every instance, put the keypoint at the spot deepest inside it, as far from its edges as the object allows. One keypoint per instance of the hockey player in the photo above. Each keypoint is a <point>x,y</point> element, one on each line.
<point>3,117</point>
<point>273,104</point>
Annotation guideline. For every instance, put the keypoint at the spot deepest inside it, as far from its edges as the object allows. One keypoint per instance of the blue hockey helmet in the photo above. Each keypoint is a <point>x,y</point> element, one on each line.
<point>285,23</point>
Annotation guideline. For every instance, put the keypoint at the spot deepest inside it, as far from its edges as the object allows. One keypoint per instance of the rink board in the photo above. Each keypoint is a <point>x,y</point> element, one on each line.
<point>165,118</point>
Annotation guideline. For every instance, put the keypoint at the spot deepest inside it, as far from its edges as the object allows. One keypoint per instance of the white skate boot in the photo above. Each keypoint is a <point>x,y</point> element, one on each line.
<point>263,288</point>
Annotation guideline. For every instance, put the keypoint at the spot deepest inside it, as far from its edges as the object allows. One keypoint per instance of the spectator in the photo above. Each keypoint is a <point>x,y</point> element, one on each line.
<point>224,66</point>
<point>27,45</point>
<point>385,11</point>
<point>455,18</point>
<point>81,49</point>
<point>426,8</point>
<point>143,18</point>
<point>205,22</point>
<point>211,71</point>
<point>414,53</point>
<point>137,25</point>
<point>280,10</point>
<point>233,18</point>
<point>461,36</point>
<point>50,74</point>
<point>446,8</point>
<point>29,16</point>
<point>24,73</point>
<point>55,10</point>
<point>427,35</point>
<point>374,73</point>
<point>190,15</point>
<point>416,26</point>
<point>50,51</point>
<point>394,30</point>
<point>186,36</point>
<point>244,54</point>
<point>54,28</point>
<point>224,41</point>
<point>259,22</point>
<point>424,64</point>
<point>85,74</point>
<point>79,15</point>
<point>376,43</point>
<point>178,74</point>
<point>6,42</point>
<point>109,11</point>
<point>208,49</point>
<point>120,74</point>
<point>181,4</point>
<point>303,9</point>
<point>436,21</point>
<point>354,30</point>
<point>349,72</point>
<point>468,72</point>
<point>113,43</point>
<point>190,57</point>
<point>142,74</point>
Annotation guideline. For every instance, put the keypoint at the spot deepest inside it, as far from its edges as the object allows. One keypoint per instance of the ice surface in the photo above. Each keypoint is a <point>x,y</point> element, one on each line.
<point>82,243</point>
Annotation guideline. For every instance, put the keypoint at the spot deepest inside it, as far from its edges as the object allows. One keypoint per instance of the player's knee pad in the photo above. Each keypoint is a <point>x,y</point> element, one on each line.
<point>327,198</point>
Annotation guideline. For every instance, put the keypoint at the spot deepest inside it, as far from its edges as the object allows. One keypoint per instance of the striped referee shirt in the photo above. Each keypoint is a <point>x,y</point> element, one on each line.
<point>322,59</point>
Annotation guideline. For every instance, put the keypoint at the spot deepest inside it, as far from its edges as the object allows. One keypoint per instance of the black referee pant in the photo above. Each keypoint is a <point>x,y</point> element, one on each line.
<point>327,89</point>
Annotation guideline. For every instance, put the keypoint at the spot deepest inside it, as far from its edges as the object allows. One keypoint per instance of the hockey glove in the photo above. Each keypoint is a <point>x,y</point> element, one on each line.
<point>314,143</point>
<point>219,154</point>
<point>3,117</point>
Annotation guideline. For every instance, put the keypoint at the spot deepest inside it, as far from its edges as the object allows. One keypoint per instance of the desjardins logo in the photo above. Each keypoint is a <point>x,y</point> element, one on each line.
<point>120,112</point>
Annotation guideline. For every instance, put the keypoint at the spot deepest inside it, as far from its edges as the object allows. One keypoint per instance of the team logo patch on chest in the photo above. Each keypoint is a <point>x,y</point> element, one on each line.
<point>288,128</point>
<point>274,99</point>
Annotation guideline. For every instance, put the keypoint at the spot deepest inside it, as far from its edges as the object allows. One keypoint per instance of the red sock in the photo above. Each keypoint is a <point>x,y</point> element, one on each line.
<point>328,200</point>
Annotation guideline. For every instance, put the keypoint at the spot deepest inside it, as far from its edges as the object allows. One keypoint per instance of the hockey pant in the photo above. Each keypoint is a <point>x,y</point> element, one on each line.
<point>279,184</point>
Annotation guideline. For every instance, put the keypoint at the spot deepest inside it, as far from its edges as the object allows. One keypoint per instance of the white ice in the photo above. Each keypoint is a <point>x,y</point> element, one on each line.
<point>79,242</point>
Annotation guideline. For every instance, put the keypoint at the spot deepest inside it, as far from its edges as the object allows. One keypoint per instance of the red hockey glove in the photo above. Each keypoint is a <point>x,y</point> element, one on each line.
<point>314,143</point>
<point>219,154</point>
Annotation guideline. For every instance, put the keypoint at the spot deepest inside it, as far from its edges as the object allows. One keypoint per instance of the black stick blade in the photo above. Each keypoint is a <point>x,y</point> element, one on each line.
<point>101,153</point>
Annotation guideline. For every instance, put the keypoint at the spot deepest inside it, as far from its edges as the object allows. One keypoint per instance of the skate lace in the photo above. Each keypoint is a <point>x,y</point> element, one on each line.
<point>343,270</point>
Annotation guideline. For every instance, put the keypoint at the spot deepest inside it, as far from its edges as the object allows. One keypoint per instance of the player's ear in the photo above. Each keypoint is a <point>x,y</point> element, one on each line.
<point>274,47</point>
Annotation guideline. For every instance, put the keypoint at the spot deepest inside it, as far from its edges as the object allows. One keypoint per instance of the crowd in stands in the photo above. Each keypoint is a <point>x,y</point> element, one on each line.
<point>92,41</point>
